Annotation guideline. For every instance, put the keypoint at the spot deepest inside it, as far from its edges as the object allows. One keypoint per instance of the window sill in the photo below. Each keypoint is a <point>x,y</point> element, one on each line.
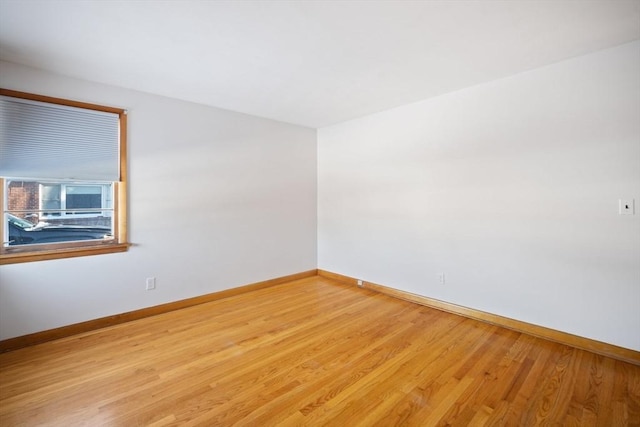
<point>43,255</point>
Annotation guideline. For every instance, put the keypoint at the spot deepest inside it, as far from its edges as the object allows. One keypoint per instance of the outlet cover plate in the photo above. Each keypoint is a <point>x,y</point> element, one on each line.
<point>626,206</point>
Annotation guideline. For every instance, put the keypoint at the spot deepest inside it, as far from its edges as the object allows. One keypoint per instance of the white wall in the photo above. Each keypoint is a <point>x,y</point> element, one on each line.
<point>217,200</point>
<point>510,188</point>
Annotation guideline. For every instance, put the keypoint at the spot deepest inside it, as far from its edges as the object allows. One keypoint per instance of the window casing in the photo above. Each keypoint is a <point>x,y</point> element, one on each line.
<point>68,213</point>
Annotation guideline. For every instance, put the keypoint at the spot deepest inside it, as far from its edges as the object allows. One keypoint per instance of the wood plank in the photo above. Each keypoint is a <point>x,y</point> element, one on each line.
<point>583,343</point>
<point>313,351</point>
<point>116,319</point>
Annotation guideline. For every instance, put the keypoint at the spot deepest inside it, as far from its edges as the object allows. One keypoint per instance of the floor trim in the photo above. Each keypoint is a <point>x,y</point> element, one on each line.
<point>598,347</point>
<point>90,325</point>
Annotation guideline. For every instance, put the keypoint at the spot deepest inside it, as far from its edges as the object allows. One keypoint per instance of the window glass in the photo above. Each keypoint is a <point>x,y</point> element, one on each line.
<point>41,213</point>
<point>49,197</point>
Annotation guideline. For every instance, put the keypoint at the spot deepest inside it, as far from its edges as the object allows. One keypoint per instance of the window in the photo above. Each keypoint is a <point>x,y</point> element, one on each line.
<point>75,200</point>
<point>62,178</point>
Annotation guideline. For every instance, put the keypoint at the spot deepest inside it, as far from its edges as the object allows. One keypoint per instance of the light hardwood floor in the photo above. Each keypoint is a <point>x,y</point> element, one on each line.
<point>313,352</point>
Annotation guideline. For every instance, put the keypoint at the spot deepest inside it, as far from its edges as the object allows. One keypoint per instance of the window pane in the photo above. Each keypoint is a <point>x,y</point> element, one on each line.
<point>83,201</point>
<point>49,198</point>
<point>85,196</point>
<point>41,212</point>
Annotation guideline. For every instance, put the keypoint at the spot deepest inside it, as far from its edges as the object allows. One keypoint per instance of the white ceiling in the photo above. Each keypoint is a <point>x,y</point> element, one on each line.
<point>312,63</point>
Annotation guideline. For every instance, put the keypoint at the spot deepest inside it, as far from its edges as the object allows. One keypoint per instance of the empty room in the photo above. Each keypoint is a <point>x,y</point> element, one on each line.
<point>305,213</point>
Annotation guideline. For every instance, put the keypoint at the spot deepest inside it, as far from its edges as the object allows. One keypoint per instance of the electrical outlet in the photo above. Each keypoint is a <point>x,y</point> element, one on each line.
<point>626,206</point>
<point>441,278</point>
<point>360,283</point>
<point>151,283</point>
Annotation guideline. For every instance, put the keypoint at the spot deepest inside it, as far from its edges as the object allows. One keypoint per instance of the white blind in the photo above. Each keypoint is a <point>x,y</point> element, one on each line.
<point>41,140</point>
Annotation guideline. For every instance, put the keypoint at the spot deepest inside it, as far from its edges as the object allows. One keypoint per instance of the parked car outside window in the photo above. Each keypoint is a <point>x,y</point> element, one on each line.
<point>22,232</point>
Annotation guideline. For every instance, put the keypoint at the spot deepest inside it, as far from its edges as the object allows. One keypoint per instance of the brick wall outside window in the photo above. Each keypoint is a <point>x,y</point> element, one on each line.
<point>24,196</point>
